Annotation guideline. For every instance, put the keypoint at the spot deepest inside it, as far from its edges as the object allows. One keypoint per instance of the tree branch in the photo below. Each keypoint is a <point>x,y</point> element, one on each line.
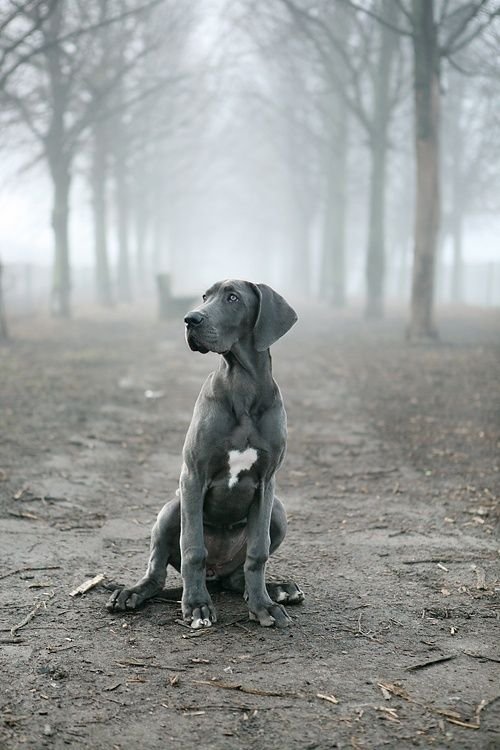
<point>355,103</point>
<point>461,43</point>
<point>372,14</point>
<point>71,35</point>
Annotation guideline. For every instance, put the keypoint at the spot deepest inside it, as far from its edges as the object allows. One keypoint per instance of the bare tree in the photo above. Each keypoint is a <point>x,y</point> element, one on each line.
<point>45,85</point>
<point>357,60</point>
<point>379,135</point>
<point>470,138</point>
<point>336,127</point>
<point>435,33</point>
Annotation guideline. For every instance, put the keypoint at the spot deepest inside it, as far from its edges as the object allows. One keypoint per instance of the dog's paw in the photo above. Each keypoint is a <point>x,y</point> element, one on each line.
<point>199,612</point>
<point>285,593</point>
<point>269,615</point>
<point>124,600</point>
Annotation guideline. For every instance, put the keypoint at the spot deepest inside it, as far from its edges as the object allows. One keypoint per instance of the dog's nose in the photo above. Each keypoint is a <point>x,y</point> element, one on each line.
<point>193,319</point>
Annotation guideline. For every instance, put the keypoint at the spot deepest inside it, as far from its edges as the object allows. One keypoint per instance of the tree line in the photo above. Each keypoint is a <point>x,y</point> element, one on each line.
<point>412,82</point>
<point>103,86</point>
<point>383,108</point>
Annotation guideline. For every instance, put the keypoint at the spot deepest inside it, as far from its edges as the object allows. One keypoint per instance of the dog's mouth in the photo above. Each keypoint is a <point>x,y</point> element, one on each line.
<point>209,343</point>
<point>195,347</point>
<point>194,343</point>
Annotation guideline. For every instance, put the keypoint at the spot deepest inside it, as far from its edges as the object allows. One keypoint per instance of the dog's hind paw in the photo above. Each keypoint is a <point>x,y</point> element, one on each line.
<point>285,593</point>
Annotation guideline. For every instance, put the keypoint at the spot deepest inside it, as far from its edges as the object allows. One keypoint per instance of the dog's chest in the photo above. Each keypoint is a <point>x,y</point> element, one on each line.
<point>239,462</point>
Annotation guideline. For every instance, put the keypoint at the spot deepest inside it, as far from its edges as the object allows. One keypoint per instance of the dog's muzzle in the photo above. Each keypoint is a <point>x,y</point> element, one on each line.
<point>193,321</point>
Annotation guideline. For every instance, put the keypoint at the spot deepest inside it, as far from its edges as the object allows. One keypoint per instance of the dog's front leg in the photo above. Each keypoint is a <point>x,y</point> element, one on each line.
<point>260,605</point>
<point>197,607</point>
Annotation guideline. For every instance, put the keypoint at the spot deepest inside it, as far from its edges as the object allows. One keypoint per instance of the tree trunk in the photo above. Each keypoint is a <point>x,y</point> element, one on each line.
<point>375,256</point>
<point>333,268</point>
<point>4,332</point>
<point>332,278</point>
<point>141,220</point>
<point>99,208</point>
<point>440,276</point>
<point>61,280</point>
<point>160,260</point>
<point>141,233</point>
<point>458,182</point>
<point>298,207</point>
<point>59,158</point>
<point>299,277</point>
<point>427,214</point>
<point>122,214</point>
<point>122,194</point>
<point>457,265</point>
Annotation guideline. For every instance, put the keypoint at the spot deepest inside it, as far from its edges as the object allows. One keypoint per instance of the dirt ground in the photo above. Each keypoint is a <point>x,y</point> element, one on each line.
<point>391,485</point>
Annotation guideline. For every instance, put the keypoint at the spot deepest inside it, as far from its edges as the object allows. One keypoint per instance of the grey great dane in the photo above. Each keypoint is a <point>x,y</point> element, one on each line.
<point>226,519</point>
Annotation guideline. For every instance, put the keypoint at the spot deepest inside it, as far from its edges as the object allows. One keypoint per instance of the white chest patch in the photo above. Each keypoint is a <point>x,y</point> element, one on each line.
<point>240,461</point>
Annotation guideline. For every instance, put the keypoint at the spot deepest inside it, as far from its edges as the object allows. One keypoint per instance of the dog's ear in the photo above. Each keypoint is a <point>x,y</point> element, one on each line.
<point>274,317</point>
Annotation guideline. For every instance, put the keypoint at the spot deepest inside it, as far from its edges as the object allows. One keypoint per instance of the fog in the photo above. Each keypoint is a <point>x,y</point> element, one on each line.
<point>275,141</point>
<point>342,157</point>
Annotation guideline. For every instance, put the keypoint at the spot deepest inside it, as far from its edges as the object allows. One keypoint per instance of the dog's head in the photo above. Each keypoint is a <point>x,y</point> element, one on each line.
<point>234,309</point>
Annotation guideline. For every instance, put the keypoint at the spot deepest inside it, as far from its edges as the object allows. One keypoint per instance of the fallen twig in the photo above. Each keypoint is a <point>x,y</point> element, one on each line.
<point>143,663</point>
<point>13,641</point>
<point>365,633</point>
<point>329,698</point>
<point>425,664</point>
<point>482,657</point>
<point>451,716</point>
<point>442,560</point>
<point>389,713</point>
<point>90,583</point>
<point>131,663</point>
<point>30,615</point>
<point>484,704</point>
<point>24,514</point>
<point>250,690</point>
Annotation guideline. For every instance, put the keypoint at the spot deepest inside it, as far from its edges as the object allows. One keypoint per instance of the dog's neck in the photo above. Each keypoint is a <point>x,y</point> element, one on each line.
<point>249,373</point>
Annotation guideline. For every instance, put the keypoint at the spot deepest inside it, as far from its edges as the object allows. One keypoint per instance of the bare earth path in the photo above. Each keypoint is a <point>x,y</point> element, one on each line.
<point>391,485</point>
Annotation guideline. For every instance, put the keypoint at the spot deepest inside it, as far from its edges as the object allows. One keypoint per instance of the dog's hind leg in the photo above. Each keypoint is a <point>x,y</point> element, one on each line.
<point>165,550</point>
<point>283,592</point>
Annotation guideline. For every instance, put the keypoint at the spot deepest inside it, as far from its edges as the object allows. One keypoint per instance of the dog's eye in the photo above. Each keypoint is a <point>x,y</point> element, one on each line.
<point>204,297</point>
<point>232,298</point>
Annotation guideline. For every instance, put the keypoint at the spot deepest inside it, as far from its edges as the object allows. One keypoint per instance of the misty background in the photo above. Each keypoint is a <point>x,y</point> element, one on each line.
<point>275,140</point>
